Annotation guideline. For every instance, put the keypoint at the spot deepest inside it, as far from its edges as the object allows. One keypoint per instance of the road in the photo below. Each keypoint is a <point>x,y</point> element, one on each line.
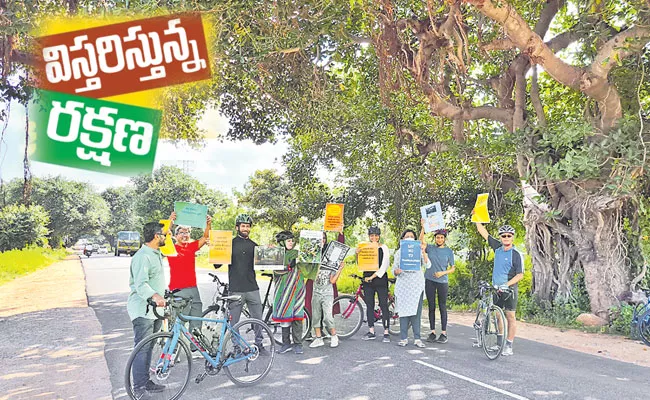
<point>359,370</point>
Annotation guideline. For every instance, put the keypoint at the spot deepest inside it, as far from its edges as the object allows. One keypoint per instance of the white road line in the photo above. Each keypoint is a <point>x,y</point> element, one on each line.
<point>474,381</point>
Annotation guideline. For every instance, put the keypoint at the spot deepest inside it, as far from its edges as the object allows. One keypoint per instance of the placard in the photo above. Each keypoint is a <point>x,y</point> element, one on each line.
<point>168,249</point>
<point>269,258</point>
<point>334,255</point>
<point>410,255</point>
<point>310,243</point>
<point>334,217</point>
<point>481,213</point>
<point>368,256</point>
<point>220,251</point>
<point>190,214</point>
<point>432,216</point>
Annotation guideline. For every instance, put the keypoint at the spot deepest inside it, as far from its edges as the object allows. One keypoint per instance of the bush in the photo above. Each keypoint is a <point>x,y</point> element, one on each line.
<point>23,226</point>
<point>14,263</point>
<point>620,319</point>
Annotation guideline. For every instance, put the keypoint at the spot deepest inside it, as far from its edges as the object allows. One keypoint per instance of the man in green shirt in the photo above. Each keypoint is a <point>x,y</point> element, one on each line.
<point>147,281</point>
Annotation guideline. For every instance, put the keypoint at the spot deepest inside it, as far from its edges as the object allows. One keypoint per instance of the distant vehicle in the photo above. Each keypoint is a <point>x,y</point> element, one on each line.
<point>102,250</point>
<point>128,242</point>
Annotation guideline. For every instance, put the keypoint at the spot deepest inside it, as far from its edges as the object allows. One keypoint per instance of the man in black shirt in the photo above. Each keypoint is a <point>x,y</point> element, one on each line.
<point>241,275</point>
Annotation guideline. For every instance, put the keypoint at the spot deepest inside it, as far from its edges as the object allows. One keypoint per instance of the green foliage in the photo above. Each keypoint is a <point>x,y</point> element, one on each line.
<point>123,217</point>
<point>14,263</point>
<point>23,226</point>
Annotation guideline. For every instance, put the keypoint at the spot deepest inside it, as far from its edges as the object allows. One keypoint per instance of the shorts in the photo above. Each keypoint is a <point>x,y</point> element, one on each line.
<point>507,301</point>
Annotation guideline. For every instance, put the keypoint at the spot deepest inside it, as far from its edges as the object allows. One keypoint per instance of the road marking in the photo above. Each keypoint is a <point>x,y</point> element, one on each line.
<point>470,380</point>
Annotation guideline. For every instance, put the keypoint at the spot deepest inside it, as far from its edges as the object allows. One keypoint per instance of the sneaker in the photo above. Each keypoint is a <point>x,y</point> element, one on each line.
<point>418,343</point>
<point>386,338</point>
<point>285,348</point>
<point>326,334</point>
<point>507,351</point>
<point>298,349</point>
<point>150,386</point>
<point>442,338</point>
<point>369,336</point>
<point>335,341</point>
<point>309,337</point>
<point>432,338</point>
<point>318,342</point>
<point>403,342</point>
<point>263,352</point>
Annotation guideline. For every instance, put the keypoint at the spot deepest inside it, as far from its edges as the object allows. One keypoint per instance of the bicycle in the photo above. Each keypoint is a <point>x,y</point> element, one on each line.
<point>490,322</point>
<point>640,324</point>
<point>244,358</point>
<point>349,312</point>
<point>275,326</point>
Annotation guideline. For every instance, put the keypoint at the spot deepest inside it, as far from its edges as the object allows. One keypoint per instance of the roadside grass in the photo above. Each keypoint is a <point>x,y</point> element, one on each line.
<point>15,263</point>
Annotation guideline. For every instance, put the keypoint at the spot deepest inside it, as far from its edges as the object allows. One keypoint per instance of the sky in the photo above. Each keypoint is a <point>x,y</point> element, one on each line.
<point>220,164</point>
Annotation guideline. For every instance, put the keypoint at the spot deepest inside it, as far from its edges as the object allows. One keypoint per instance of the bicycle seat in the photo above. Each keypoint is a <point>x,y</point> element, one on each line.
<point>357,276</point>
<point>232,297</point>
<point>267,274</point>
<point>392,280</point>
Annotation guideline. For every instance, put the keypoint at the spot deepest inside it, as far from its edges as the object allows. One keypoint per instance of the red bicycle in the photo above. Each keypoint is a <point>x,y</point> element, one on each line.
<point>349,312</point>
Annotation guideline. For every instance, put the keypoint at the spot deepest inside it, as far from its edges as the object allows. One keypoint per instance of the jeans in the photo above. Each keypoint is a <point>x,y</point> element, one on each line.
<point>431,287</point>
<point>414,321</point>
<point>254,304</point>
<point>143,327</point>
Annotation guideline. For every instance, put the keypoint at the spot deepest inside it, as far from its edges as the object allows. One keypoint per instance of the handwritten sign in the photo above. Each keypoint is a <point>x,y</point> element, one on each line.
<point>126,57</point>
<point>432,216</point>
<point>220,247</point>
<point>190,214</point>
<point>334,217</point>
<point>481,213</point>
<point>168,250</point>
<point>410,255</point>
<point>368,256</point>
<point>92,134</point>
<point>334,255</point>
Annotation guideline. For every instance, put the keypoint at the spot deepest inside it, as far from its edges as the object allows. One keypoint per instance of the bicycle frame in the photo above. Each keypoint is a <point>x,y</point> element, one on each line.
<point>359,295</point>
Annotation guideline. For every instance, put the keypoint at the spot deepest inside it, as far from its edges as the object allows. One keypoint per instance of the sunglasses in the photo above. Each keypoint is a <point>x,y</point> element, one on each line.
<point>161,234</point>
<point>506,236</point>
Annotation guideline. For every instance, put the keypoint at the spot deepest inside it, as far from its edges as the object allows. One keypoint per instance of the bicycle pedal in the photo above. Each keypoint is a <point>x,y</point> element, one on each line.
<point>200,378</point>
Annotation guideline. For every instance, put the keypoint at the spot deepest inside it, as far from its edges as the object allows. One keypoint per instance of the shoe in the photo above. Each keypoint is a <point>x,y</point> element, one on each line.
<point>432,338</point>
<point>285,348</point>
<point>507,351</point>
<point>318,342</point>
<point>150,386</point>
<point>369,336</point>
<point>493,348</point>
<point>263,352</point>
<point>334,341</point>
<point>309,337</point>
<point>298,349</point>
<point>386,338</point>
<point>326,334</point>
<point>403,342</point>
<point>418,343</point>
<point>442,338</point>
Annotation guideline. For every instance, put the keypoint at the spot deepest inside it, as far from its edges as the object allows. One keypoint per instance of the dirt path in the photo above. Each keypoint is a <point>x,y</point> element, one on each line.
<point>55,348</point>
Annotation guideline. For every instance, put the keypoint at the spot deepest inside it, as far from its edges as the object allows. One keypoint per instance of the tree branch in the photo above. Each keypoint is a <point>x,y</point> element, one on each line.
<point>620,46</point>
<point>547,15</point>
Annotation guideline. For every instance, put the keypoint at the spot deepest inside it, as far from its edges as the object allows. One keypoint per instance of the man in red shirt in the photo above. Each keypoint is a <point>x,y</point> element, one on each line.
<point>182,268</point>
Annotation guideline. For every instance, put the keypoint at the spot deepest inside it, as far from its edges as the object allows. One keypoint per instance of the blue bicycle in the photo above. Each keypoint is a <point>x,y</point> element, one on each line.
<point>640,325</point>
<point>161,364</point>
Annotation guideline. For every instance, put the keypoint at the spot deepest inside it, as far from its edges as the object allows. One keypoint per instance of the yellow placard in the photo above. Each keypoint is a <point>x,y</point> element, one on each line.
<point>481,209</point>
<point>334,217</point>
<point>168,250</point>
<point>368,256</point>
<point>220,247</point>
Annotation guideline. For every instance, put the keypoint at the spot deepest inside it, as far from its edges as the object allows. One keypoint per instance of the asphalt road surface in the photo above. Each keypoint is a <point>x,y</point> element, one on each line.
<point>362,370</point>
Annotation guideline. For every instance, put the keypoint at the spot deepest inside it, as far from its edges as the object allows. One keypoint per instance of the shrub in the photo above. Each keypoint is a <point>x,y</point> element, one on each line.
<point>23,226</point>
<point>14,263</point>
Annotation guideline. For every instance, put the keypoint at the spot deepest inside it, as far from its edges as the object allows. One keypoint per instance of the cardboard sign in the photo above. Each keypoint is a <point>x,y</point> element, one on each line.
<point>410,255</point>
<point>481,213</point>
<point>334,217</point>
<point>220,251</point>
<point>432,216</point>
<point>368,256</point>
<point>190,214</point>
<point>269,258</point>
<point>168,250</point>
<point>334,255</point>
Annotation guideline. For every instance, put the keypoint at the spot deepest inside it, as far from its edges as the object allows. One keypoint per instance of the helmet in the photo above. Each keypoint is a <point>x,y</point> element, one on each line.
<point>442,232</point>
<point>243,219</point>
<point>374,230</point>
<point>282,236</point>
<point>506,229</point>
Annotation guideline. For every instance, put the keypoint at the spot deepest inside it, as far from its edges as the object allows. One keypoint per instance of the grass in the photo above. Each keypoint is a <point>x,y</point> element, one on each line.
<point>15,263</point>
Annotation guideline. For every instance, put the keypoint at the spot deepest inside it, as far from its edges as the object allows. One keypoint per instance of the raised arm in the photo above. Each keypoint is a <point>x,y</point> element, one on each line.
<point>482,231</point>
<point>206,232</point>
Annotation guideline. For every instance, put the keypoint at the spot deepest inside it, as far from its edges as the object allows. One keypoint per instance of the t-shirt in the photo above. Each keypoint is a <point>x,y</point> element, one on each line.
<point>441,258</point>
<point>322,283</point>
<point>182,269</point>
<point>241,275</point>
<point>507,263</point>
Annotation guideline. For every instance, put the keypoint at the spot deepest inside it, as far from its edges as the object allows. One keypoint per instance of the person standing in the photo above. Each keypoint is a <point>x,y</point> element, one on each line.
<point>376,282</point>
<point>437,282</point>
<point>147,282</point>
<point>508,270</point>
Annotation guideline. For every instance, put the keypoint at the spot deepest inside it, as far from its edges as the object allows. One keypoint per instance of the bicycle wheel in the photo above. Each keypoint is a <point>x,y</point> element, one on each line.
<point>644,327</point>
<point>306,325</point>
<point>393,319</point>
<point>494,326</point>
<point>251,355</point>
<point>158,381</point>
<point>349,315</point>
